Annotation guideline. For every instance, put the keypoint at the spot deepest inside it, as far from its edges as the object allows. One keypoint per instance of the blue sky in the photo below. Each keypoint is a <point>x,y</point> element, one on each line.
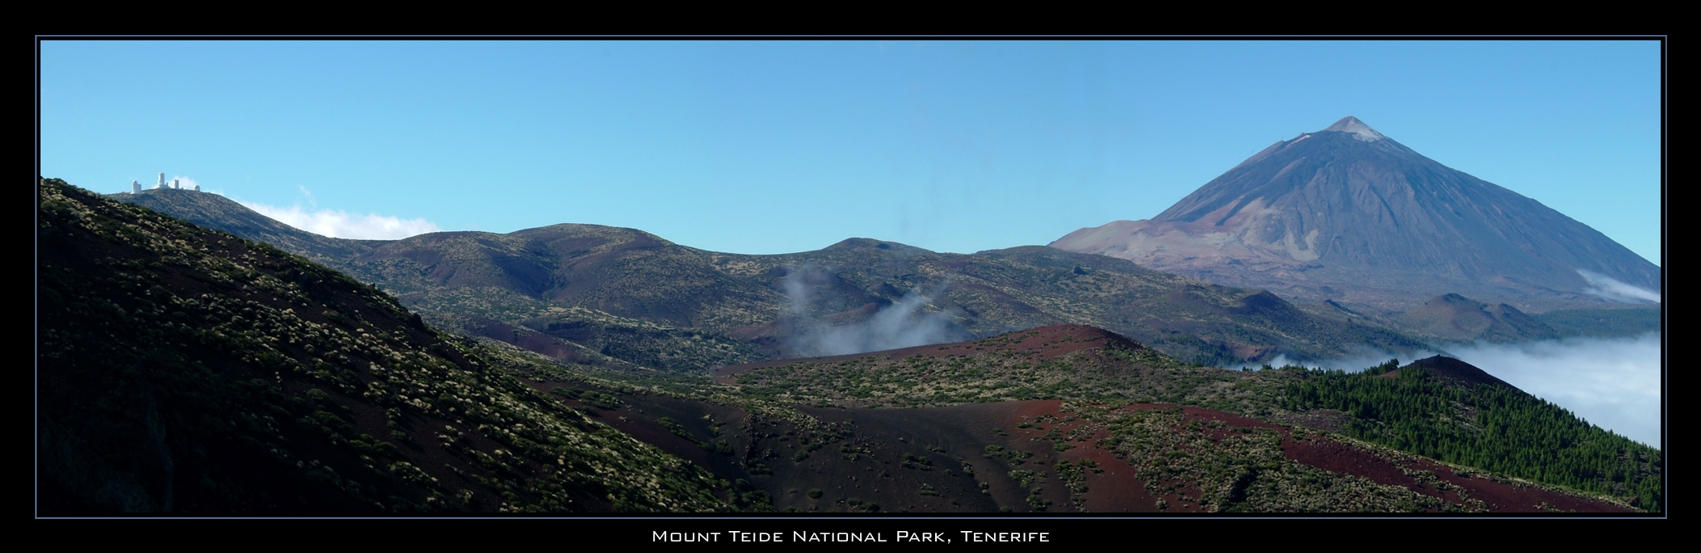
<point>784,146</point>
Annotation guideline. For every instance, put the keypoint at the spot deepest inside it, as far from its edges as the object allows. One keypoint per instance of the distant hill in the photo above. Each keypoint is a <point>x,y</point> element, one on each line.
<point>1456,318</point>
<point>1603,323</point>
<point>1349,214</point>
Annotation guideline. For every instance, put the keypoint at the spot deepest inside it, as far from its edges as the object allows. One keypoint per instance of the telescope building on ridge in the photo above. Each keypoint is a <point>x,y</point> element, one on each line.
<point>136,187</point>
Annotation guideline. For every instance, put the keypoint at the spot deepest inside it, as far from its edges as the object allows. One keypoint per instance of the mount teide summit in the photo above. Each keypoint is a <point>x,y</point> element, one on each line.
<point>1348,214</point>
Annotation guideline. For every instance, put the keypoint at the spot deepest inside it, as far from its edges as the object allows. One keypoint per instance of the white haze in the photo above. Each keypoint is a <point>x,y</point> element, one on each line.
<point>899,325</point>
<point>1613,383</point>
<point>1612,289</point>
<point>342,224</point>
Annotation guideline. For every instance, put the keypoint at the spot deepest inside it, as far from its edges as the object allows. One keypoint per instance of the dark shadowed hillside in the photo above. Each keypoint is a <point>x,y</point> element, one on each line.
<point>185,370</point>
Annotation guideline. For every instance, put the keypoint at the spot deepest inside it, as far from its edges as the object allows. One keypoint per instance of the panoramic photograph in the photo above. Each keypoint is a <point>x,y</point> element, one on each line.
<point>849,280</point>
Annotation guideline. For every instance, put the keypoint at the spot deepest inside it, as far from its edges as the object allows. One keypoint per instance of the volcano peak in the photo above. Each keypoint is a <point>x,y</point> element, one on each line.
<point>1360,130</point>
<point>1368,221</point>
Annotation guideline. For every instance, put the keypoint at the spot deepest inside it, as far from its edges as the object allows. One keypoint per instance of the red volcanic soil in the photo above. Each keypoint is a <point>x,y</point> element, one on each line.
<point>1496,495</point>
<point>1043,343</point>
<point>961,434</point>
<point>1115,489</point>
<point>990,457</point>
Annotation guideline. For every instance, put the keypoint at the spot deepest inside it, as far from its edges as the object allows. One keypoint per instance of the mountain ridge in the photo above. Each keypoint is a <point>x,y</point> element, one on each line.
<point>771,302</point>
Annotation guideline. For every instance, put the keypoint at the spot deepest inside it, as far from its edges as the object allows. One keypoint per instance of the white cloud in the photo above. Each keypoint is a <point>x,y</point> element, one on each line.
<point>1609,288</point>
<point>901,324</point>
<point>342,224</point>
